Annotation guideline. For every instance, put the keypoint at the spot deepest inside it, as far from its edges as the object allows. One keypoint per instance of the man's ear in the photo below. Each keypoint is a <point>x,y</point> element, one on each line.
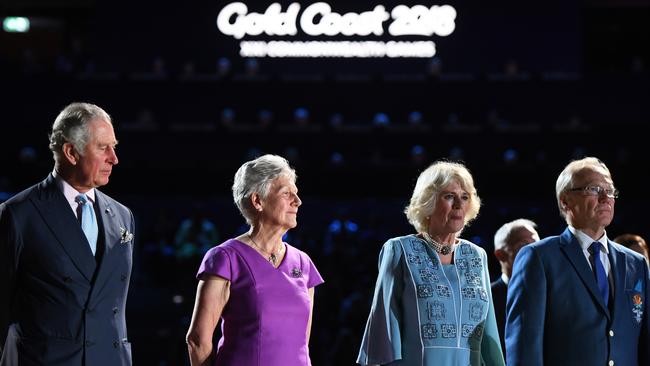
<point>501,255</point>
<point>70,154</point>
<point>563,202</point>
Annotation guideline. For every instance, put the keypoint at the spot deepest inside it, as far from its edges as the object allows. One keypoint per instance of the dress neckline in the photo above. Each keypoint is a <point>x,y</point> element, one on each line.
<point>258,254</point>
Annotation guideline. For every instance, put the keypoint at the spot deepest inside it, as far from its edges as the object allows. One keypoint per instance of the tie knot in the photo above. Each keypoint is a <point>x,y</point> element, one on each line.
<point>595,247</point>
<point>82,199</point>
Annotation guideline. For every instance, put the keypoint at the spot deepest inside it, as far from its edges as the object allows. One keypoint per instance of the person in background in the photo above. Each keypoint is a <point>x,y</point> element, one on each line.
<point>66,254</point>
<point>261,288</point>
<point>195,235</point>
<point>634,242</point>
<point>579,298</point>
<point>508,240</point>
<point>432,303</point>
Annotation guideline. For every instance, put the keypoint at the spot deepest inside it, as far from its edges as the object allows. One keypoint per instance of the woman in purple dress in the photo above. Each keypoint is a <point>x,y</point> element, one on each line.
<point>261,288</point>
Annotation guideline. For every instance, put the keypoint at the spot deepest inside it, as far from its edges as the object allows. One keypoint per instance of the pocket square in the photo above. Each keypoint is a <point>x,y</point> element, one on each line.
<point>125,235</point>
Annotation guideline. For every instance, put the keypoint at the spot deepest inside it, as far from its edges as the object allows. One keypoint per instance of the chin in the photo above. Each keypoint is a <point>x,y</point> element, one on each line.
<point>100,183</point>
<point>457,228</point>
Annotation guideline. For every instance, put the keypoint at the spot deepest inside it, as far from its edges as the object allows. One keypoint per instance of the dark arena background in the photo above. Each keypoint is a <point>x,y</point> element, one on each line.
<point>515,91</point>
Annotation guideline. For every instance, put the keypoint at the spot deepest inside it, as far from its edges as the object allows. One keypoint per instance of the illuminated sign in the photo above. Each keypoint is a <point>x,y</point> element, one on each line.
<point>320,20</point>
<point>15,24</point>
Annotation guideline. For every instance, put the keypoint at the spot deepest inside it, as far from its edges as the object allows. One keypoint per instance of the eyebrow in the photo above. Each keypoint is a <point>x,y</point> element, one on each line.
<point>610,185</point>
<point>453,192</point>
<point>287,187</point>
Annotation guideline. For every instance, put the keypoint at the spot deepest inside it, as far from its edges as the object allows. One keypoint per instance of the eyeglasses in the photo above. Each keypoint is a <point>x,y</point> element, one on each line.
<point>594,190</point>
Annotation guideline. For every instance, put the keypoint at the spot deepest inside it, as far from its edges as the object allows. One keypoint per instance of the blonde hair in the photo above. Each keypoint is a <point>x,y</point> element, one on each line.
<point>431,181</point>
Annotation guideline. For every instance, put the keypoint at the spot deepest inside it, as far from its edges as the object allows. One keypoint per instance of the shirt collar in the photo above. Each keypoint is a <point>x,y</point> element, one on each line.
<point>585,240</point>
<point>69,192</point>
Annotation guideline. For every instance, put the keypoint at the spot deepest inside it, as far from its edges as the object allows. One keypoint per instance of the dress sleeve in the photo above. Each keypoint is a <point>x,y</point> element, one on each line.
<point>382,341</point>
<point>314,278</point>
<point>491,352</point>
<point>216,262</point>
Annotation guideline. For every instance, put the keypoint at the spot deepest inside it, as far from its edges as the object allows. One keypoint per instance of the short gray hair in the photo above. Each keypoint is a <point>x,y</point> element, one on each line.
<point>71,125</point>
<point>429,183</point>
<point>256,176</point>
<point>503,234</point>
<point>565,179</point>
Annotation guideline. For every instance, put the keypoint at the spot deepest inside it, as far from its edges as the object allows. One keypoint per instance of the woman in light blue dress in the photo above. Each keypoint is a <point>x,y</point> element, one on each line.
<point>432,303</point>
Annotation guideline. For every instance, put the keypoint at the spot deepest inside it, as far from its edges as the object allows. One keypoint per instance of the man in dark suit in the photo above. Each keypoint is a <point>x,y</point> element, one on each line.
<point>579,298</point>
<point>508,240</point>
<point>66,253</point>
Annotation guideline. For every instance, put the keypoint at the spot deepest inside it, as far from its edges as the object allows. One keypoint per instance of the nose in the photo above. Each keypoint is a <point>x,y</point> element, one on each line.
<point>457,202</point>
<point>297,201</point>
<point>112,156</point>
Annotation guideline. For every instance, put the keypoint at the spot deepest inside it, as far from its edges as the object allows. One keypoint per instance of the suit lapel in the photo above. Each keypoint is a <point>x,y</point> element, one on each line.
<point>571,248</point>
<point>110,236</point>
<point>60,219</point>
<point>618,270</point>
<point>107,213</point>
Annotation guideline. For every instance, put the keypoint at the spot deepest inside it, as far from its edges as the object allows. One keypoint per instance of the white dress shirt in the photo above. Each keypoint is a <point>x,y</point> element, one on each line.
<point>71,193</point>
<point>585,241</point>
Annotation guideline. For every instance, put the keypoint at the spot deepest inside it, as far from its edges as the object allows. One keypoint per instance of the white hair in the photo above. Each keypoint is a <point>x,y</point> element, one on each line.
<point>71,125</point>
<point>502,235</point>
<point>565,179</point>
<point>256,176</point>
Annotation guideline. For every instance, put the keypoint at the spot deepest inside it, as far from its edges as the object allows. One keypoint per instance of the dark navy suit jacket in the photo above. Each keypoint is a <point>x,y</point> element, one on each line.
<point>555,315</point>
<point>499,295</point>
<point>60,305</point>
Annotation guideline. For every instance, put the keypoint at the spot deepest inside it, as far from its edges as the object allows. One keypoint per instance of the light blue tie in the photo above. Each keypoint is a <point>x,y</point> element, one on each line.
<point>601,275</point>
<point>88,221</point>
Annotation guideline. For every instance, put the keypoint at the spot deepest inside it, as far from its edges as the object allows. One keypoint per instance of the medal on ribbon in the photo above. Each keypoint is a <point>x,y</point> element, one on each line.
<point>637,307</point>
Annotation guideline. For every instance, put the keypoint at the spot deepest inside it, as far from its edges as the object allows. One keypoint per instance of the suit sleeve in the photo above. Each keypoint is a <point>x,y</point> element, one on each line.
<point>490,343</point>
<point>132,223</point>
<point>525,310</point>
<point>8,264</point>
<point>382,339</point>
<point>644,337</point>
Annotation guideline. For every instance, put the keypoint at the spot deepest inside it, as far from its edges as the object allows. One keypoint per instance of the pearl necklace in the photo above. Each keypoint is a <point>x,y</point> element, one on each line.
<point>443,249</point>
<point>272,257</point>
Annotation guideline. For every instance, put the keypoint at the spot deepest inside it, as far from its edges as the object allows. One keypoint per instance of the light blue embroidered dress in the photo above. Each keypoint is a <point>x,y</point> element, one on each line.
<point>425,313</point>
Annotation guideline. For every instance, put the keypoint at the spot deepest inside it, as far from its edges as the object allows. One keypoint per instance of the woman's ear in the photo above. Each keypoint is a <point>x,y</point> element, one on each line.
<point>70,154</point>
<point>256,201</point>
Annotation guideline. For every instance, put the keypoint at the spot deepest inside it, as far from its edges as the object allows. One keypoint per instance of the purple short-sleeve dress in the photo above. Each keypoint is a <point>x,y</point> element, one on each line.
<point>265,319</point>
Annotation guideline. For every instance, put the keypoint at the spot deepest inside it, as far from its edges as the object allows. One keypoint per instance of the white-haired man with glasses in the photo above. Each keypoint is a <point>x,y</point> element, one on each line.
<point>579,298</point>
